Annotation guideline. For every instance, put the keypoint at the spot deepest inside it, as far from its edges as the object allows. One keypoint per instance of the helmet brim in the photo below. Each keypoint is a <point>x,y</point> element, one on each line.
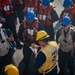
<point>42,38</point>
<point>61,23</point>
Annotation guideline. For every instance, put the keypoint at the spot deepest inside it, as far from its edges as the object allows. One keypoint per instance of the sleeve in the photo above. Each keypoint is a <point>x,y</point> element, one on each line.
<point>20,32</point>
<point>1,15</point>
<point>74,37</point>
<point>39,60</point>
<point>74,17</point>
<point>57,36</point>
<point>52,0</point>
<point>61,15</point>
<point>23,3</point>
<point>54,16</point>
<point>40,26</point>
<point>15,13</point>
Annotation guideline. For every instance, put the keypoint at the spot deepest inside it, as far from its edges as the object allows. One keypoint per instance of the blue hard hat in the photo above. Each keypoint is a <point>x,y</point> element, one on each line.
<point>46,2</point>
<point>65,21</point>
<point>30,16</point>
<point>67,3</point>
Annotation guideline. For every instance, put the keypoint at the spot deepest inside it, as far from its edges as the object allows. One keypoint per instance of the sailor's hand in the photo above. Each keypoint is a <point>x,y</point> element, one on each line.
<point>34,46</point>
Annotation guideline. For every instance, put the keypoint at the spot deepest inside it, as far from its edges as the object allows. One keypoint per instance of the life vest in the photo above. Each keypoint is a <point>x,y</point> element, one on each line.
<point>7,7</point>
<point>29,31</point>
<point>43,15</point>
<point>50,51</point>
<point>4,45</point>
<point>31,6</point>
<point>17,1</point>
<point>72,13</point>
<point>68,45</point>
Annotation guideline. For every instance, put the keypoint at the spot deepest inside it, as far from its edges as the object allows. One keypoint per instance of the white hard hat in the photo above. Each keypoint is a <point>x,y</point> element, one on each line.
<point>0,25</point>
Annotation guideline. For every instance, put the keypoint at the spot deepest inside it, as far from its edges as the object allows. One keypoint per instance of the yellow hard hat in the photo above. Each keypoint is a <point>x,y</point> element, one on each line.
<point>41,35</point>
<point>11,70</point>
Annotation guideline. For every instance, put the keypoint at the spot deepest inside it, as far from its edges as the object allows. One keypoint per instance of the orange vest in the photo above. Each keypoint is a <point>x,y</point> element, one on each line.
<point>7,7</point>
<point>43,15</point>
<point>31,5</point>
<point>29,30</point>
<point>72,13</point>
